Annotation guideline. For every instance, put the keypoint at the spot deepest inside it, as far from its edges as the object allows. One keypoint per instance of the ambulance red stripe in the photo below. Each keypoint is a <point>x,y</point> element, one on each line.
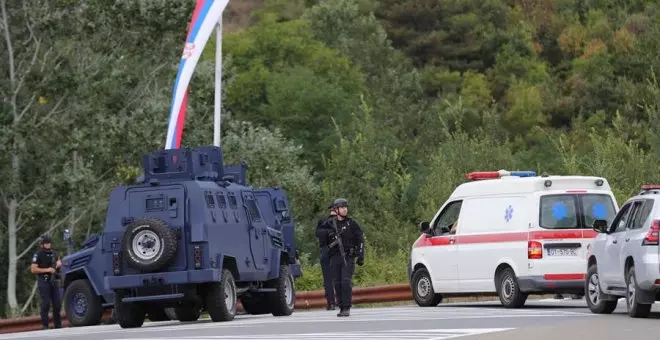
<point>445,240</point>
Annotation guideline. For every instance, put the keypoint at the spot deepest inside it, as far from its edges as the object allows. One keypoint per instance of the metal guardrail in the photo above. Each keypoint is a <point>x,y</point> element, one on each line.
<point>304,300</point>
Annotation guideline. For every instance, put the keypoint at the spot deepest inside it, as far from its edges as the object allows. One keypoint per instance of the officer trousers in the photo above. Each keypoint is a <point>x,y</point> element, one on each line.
<point>49,295</point>
<point>327,276</point>
<point>342,276</point>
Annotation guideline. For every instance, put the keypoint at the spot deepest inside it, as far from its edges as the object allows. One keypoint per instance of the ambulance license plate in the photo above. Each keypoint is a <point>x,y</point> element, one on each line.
<point>562,252</point>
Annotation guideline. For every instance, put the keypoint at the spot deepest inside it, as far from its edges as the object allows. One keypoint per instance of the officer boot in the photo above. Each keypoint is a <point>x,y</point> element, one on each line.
<point>331,306</point>
<point>345,311</point>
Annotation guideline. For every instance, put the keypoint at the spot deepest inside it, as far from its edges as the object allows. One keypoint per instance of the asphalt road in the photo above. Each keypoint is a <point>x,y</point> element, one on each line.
<point>540,319</point>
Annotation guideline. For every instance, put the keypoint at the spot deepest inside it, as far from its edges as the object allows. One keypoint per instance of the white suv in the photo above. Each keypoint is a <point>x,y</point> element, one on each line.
<point>623,258</point>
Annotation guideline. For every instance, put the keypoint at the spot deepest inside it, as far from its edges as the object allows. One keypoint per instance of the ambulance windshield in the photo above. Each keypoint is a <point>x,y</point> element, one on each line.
<point>571,211</point>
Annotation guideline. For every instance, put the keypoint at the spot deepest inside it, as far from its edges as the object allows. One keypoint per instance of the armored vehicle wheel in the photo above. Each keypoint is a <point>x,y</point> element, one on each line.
<point>255,304</point>
<point>188,313</point>
<point>157,314</point>
<point>81,304</point>
<point>149,244</point>
<point>129,315</point>
<point>283,301</point>
<point>171,313</point>
<point>221,298</point>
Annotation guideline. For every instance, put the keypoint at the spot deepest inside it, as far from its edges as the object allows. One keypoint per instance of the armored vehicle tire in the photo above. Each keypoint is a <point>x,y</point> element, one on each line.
<point>508,290</point>
<point>422,288</point>
<point>283,301</point>
<point>596,299</point>
<point>221,298</point>
<point>149,244</point>
<point>157,314</point>
<point>171,313</point>
<point>254,304</point>
<point>187,313</point>
<point>129,315</point>
<point>81,304</point>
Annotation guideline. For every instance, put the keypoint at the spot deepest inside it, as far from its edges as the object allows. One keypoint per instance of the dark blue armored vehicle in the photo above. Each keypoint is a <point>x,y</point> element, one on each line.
<point>190,237</point>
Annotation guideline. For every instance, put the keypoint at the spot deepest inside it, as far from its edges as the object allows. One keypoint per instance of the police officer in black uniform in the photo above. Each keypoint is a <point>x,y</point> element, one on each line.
<point>325,262</point>
<point>45,264</point>
<point>350,233</point>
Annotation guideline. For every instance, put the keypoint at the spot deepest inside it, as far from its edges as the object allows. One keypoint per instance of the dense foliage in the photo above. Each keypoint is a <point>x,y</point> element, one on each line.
<point>386,103</point>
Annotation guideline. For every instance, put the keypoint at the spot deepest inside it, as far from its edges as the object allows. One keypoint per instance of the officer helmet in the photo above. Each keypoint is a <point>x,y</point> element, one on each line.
<point>45,239</point>
<point>340,202</point>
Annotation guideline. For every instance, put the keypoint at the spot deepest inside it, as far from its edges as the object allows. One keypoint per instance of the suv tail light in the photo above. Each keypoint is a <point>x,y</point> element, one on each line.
<point>653,235</point>
<point>534,250</point>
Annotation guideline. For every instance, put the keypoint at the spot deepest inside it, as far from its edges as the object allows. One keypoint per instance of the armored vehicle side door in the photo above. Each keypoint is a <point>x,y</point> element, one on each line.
<point>256,231</point>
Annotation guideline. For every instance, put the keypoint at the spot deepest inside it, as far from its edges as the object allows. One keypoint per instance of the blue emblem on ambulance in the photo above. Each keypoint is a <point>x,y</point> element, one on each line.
<point>508,213</point>
<point>559,211</point>
<point>599,211</point>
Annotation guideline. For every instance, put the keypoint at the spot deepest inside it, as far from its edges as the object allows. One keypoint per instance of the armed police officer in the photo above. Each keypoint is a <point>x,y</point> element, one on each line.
<point>45,264</point>
<point>325,262</point>
<point>345,243</point>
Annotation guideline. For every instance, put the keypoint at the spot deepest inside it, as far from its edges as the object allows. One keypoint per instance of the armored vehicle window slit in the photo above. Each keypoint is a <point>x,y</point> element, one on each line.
<point>222,202</point>
<point>232,201</point>
<point>209,200</point>
<point>253,209</point>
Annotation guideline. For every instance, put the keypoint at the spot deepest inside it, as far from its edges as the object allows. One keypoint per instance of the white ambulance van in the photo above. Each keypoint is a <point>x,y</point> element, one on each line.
<point>511,234</point>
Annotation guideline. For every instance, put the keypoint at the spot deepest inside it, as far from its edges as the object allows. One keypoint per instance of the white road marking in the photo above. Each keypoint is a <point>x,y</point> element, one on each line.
<point>426,334</point>
<point>357,315</point>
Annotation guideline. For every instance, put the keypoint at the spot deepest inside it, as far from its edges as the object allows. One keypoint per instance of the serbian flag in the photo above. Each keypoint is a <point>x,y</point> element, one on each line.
<point>206,15</point>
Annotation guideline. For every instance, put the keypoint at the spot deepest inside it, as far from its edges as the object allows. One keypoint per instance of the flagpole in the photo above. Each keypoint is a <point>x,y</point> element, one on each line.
<point>218,82</point>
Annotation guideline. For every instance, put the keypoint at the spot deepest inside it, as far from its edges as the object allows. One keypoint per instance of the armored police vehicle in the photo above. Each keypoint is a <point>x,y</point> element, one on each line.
<point>192,236</point>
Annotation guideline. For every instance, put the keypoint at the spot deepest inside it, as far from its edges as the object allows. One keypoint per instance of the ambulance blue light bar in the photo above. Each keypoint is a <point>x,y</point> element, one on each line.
<point>479,175</point>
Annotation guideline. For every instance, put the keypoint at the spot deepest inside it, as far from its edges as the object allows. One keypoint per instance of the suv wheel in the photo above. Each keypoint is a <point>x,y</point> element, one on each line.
<point>507,289</point>
<point>635,309</point>
<point>596,299</point>
<point>423,291</point>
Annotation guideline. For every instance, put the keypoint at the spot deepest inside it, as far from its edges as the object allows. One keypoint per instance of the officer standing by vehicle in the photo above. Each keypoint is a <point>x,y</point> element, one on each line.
<point>325,262</point>
<point>346,243</point>
<point>45,263</point>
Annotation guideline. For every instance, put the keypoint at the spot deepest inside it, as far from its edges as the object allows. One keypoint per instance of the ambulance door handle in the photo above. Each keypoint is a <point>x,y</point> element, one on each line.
<point>452,239</point>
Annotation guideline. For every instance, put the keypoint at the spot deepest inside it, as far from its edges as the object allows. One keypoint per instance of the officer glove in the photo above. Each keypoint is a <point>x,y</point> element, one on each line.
<point>360,261</point>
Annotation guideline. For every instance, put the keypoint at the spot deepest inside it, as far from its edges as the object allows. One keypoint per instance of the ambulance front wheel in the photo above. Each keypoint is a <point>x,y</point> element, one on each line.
<point>422,288</point>
<point>508,289</point>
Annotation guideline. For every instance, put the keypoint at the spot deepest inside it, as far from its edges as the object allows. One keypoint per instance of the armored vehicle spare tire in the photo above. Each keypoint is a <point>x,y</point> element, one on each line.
<point>149,244</point>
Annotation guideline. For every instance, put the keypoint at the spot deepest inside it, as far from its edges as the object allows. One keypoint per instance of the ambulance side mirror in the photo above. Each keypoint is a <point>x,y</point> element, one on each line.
<point>600,226</point>
<point>424,226</point>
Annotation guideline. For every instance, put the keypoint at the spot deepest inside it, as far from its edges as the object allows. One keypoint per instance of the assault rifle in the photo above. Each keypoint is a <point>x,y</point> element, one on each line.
<point>337,241</point>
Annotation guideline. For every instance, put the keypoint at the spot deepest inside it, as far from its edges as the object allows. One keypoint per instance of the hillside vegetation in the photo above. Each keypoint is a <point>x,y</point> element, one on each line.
<point>386,103</point>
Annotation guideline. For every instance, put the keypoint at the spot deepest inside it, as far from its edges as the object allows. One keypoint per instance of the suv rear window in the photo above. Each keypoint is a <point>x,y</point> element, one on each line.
<point>570,211</point>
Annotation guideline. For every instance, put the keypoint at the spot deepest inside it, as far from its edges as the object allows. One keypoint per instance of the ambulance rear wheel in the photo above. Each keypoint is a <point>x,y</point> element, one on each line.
<point>422,288</point>
<point>508,290</point>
